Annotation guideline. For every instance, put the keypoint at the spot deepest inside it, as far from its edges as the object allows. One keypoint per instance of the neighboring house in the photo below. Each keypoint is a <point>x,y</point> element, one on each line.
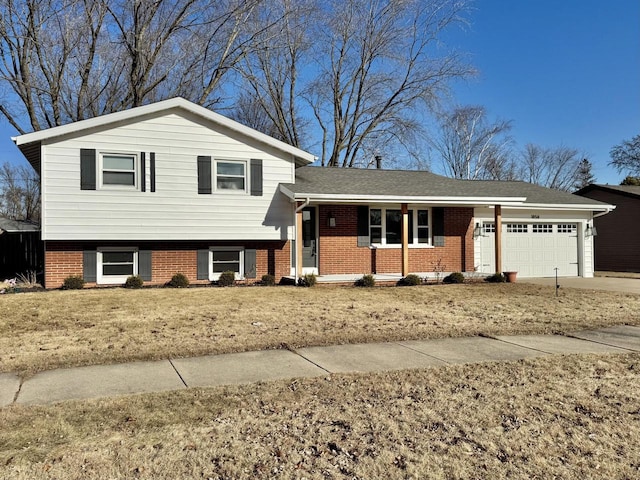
<point>173,187</point>
<point>20,248</point>
<point>617,244</point>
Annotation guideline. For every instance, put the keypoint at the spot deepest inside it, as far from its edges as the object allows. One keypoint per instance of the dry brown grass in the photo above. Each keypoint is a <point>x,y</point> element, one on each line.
<point>573,417</point>
<point>40,331</point>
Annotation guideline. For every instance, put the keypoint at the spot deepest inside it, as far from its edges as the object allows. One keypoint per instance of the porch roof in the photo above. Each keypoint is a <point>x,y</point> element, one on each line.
<point>352,185</point>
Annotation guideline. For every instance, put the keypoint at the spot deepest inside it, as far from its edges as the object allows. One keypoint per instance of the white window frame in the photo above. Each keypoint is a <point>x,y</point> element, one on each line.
<point>114,279</point>
<point>136,170</point>
<point>517,228</point>
<point>569,228</point>
<point>229,191</point>
<point>541,228</point>
<point>215,276</point>
<point>413,242</point>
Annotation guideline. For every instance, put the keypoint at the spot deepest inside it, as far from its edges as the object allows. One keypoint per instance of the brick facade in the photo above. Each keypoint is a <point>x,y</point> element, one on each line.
<point>63,259</point>
<point>339,253</point>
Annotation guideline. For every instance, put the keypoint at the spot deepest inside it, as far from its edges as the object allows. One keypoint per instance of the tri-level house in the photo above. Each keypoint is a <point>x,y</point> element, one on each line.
<point>174,187</point>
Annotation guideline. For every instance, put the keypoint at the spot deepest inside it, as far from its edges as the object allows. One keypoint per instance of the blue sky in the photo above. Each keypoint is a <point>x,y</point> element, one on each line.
<point>567,72</point>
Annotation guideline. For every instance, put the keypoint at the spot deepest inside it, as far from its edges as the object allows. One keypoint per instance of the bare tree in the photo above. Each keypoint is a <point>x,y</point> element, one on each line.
<point>271,74</point>
<point>19,193</point>
<point>253,112</point>
<point>66,60</point>
<point>378,65</point>
<point>473,148</point>
<point>626,156</point>
<point>550,167</point>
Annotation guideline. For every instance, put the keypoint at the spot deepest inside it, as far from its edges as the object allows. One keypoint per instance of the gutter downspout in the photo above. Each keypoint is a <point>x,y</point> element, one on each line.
<point>304,205</point>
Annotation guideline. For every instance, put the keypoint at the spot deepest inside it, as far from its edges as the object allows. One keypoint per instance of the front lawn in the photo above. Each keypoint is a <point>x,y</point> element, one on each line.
<point>572,417</point>
<point>41,331</point>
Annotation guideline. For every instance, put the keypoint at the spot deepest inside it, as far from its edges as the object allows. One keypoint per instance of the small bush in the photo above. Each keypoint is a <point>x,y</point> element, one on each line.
<point>366,281</point>
<point>268,280</point>
<point>410,280</point>
<point>134,281</point>
<point>495,278</point>
<point>73,282</point>
<point>307,280</point>
<point>179,280</point>
<point>227,279</point>
<point>455,277</point>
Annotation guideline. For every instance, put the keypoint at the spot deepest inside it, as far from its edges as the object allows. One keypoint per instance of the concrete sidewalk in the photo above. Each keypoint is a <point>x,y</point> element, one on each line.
<point>249,367</point>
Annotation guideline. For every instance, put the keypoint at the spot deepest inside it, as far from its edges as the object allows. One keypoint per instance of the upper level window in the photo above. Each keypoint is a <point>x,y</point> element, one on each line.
<point>231,176</point>
<point>385,226</point>
<point>118,170</point>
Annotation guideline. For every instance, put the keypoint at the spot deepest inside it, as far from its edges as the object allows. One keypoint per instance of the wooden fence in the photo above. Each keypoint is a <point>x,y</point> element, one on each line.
<point>21,252</point>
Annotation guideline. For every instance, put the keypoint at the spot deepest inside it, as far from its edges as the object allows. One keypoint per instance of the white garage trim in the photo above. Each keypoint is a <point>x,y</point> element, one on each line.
<point>535,243</point>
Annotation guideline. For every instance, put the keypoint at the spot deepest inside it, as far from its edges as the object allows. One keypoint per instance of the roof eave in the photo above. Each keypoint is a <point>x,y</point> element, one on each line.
<point>301,157</point>
<point>381,199</point>
<point>569,206</point>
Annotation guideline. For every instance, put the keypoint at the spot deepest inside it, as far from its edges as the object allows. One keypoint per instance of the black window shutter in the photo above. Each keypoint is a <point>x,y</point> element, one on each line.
<point>204,174</point>
<point>294,254</point>
<point>437,216</point>
<point>87,169</point>
<point>250,268</point>
<point>256,177</point>
<point>152,171</point>
<point>89,265</point>
<point>203,265</point>
<point>144,264</point>
<point>363,226</point>
<point>143,172</point>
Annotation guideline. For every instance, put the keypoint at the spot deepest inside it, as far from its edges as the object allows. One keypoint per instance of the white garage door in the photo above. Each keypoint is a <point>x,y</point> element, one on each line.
<point>533,249</point>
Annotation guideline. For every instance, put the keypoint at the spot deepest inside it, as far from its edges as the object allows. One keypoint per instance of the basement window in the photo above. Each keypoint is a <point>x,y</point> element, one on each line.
<point>224,259</point>
<point>116,264</point>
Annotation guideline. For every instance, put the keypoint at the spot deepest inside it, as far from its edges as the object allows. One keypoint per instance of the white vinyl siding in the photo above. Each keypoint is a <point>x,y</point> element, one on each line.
<point>174,211</point>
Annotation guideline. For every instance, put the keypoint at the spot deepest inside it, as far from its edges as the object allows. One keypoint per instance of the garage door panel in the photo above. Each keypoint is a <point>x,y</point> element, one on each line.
<point>535,250</point>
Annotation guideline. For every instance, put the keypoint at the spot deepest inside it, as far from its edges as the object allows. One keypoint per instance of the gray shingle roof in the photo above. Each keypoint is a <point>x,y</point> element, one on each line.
<point>413,183</point>
<point>13,226</point>
<point>628,190</point>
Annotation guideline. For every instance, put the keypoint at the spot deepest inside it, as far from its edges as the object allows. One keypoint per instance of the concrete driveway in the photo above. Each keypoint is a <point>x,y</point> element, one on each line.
<point>624,285</point>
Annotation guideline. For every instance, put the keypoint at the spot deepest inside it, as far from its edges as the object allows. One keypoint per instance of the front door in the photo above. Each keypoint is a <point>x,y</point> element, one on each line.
<point>309,241</point>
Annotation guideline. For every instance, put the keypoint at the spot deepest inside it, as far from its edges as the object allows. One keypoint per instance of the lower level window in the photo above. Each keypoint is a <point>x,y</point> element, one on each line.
<point>225,259</point>
<point>116,264</point>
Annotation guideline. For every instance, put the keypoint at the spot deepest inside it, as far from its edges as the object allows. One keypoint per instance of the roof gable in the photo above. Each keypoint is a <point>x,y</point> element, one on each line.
<point>29,143</point>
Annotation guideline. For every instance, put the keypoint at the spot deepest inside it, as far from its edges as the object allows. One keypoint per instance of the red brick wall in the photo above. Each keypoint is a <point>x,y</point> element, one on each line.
<point>339,252</point>
<point>65,258</point>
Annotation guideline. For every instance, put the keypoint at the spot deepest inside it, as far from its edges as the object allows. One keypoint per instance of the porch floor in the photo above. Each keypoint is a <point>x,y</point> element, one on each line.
<point>351,278</point>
